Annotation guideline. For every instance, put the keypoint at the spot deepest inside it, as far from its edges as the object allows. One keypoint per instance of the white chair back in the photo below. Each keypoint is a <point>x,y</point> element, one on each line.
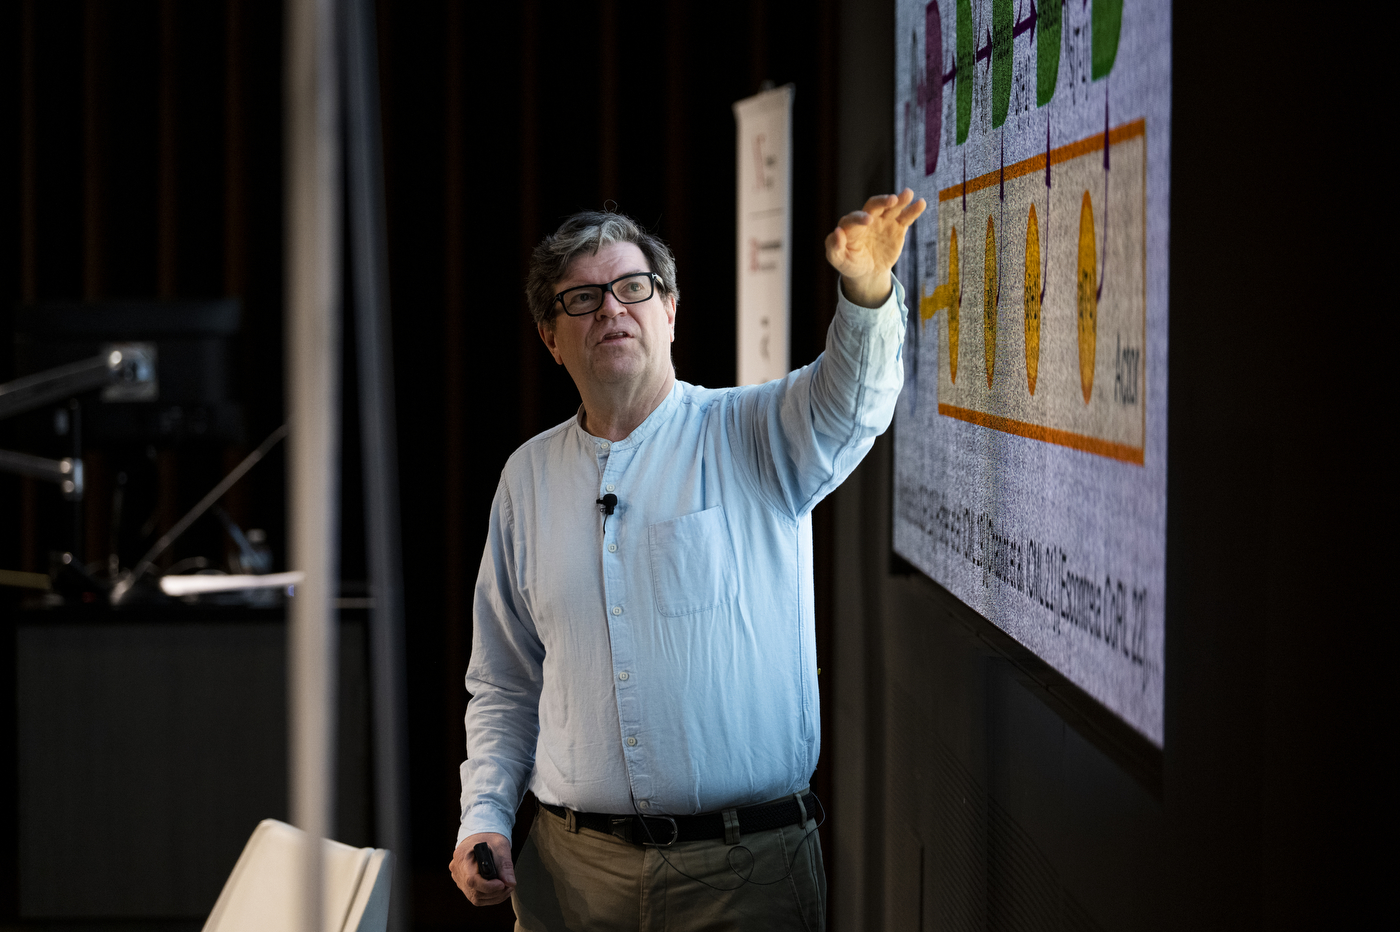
<point>263,894</point>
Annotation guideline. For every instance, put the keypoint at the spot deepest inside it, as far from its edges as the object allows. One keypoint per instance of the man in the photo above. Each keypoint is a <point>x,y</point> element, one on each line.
<point>643,656</point>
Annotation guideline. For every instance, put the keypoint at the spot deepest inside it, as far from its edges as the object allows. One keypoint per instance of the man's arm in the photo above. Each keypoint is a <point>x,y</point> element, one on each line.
<point>803,434</point>
<point>505,678</point>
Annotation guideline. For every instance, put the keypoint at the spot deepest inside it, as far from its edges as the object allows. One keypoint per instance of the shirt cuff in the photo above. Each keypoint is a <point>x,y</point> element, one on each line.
<point>893,308</point>
<point>484,817</point>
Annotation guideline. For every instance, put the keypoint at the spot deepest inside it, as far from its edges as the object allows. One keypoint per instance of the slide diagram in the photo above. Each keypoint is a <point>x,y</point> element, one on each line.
<point>1044,259</point>
<point>1030,455</point>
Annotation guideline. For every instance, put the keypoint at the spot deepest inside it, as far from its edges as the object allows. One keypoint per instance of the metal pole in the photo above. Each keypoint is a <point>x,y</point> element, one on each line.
<point>369,256</point>
<point>42,388</point>
<point>313,220</point>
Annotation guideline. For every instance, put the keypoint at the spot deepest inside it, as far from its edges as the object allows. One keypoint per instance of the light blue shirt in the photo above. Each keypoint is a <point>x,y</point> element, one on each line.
<point>666,657</point>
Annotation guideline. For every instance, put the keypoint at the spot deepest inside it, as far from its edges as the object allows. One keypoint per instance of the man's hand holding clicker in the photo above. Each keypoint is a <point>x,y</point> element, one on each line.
<point>866,244</point>
<point>479,890</point>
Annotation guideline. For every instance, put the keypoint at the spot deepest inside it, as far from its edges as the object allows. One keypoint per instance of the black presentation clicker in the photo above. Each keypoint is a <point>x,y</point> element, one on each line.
<point>485,862</point>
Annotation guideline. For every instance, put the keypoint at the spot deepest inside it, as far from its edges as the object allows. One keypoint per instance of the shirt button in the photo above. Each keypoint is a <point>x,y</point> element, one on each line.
<point>605,446</point>
<point>611,487</point>
<point>631,742</point>
<point>612,548</point>
<point>643,804</point>
<point>617,609</point>
<point>623,675</point>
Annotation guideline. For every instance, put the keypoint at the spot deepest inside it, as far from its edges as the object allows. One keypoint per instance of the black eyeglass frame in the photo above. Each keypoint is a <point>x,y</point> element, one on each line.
<point>608,290</point>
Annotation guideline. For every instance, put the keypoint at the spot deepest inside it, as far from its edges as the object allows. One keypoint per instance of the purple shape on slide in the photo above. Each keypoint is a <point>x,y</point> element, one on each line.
<point>932,85</point>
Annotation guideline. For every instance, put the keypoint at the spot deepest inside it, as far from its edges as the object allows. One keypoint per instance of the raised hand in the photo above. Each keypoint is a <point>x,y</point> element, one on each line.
<point>866,244</point>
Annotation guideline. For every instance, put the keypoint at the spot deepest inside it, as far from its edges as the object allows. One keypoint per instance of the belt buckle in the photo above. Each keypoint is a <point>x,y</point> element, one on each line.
<point>675,832</point>
<point>622,827</point>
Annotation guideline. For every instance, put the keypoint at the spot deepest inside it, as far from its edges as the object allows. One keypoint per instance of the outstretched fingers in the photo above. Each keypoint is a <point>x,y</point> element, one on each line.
<point>856,218</point>
<point>907,209</point>
<point>911,211</point>
<point>866,243</point>
<point>880,203</point>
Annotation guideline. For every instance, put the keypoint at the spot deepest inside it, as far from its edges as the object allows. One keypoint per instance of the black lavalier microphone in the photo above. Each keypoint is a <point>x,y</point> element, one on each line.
<point>606,504</point>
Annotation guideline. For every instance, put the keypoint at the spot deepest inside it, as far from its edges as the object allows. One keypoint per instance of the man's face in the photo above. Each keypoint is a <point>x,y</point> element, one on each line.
<point>618,345</point>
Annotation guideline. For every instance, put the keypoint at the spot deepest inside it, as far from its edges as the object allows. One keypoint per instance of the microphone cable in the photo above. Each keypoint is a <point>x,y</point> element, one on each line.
<point>744,879</point>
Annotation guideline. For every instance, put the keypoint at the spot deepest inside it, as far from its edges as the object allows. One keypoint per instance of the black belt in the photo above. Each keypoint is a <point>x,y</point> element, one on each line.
<point>664,831</point>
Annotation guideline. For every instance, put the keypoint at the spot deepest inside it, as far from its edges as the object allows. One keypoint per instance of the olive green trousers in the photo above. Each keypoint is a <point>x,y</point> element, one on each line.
<point>586,881</point>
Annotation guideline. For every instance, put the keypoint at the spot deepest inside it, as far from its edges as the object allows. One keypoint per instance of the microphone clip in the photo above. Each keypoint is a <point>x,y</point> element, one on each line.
<point>606,505</point>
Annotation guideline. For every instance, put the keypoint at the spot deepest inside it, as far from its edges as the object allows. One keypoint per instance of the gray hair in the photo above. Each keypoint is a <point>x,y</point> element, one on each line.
<point>587,232</point>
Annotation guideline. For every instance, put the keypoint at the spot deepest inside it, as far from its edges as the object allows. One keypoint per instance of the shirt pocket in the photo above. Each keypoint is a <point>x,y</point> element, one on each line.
<point>692,562</point>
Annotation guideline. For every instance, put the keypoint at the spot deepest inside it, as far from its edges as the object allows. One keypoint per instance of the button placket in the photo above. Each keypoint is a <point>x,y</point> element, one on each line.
<point>612,461</point>
<point>609,537</point>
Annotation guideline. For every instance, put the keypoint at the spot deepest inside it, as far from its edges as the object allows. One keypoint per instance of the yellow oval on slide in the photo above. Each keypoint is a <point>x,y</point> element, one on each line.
<point>989,302</point>
<point>1032,299</point>
<point>1088,297</point>
<point>954,304</point>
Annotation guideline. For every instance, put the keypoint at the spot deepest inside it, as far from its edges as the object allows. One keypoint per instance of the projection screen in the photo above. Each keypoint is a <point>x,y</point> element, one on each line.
<point>1030,463</point>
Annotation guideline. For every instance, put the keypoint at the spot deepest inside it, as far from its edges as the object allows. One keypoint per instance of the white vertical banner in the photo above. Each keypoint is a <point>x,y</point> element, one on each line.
<point>764,221</point>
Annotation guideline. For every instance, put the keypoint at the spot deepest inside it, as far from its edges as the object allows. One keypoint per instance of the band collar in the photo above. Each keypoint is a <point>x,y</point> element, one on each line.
<point>659,415</point>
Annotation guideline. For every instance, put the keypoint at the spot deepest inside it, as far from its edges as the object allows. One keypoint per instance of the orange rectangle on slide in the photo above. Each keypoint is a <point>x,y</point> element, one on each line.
<point>1040,297</point>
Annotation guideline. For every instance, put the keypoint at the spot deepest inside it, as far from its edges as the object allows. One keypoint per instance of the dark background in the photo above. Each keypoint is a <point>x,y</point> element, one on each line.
<point>967,787</point>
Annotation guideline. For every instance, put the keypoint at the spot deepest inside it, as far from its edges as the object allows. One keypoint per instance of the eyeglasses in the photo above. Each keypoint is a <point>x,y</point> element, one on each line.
<point>629,289</point>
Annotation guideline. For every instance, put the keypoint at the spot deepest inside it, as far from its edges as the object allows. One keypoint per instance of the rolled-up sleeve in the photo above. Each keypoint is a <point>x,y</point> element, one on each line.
<point>504,678</point>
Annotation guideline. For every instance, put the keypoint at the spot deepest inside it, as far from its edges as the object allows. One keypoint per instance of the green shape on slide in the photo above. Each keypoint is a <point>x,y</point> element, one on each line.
<point>1105,23</point>
<point>967,43</point>
<point>1047,52</point>
<point>1002,23</point>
